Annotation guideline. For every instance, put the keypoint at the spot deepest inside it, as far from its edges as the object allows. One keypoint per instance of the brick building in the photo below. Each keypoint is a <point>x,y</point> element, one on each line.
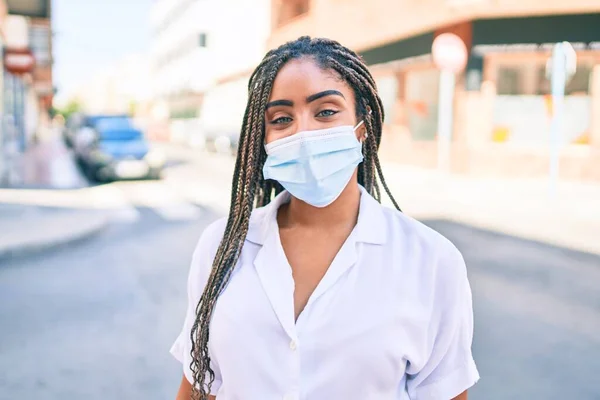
<point>502,105</point>
<point>38,13</point>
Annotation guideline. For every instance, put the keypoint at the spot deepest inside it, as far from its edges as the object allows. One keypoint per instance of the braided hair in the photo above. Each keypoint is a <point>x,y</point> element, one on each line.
<point>250,189</point>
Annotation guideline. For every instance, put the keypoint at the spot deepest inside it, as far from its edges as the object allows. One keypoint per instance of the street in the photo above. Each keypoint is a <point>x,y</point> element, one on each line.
<point>95,319</point>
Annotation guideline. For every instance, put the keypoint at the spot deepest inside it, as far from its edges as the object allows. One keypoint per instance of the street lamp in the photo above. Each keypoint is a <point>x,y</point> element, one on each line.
<point>450,56</point>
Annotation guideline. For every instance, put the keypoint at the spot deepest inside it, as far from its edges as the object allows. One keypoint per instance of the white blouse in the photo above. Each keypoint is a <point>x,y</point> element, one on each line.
<point>392,318</point>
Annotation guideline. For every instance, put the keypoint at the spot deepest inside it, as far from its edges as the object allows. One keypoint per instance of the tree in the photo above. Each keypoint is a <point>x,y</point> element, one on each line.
<point>72,107</point>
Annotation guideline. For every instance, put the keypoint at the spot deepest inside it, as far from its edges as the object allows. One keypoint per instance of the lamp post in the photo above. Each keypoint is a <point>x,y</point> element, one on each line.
<point>560,68</point>
<point>450,56</point>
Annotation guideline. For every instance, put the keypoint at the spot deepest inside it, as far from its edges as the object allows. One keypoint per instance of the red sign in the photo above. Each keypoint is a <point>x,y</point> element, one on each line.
<point>449,52</point>
<point>18,61</point>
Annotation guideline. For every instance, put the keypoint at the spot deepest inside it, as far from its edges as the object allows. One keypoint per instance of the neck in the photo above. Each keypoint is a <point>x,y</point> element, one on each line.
<point>343,211</point>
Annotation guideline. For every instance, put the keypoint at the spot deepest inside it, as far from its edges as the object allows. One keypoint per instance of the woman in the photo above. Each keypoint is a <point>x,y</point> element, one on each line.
<point>321,292</point>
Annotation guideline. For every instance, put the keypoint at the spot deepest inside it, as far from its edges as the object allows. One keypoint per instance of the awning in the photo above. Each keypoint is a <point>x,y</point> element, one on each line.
<point>29,8</point>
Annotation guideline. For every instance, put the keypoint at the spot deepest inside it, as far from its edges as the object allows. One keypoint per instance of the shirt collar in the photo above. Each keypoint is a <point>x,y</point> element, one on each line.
<point>370,227</point>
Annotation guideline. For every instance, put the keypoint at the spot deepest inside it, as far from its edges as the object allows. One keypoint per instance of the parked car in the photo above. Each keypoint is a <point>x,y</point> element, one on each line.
<point>222,141</point>
<point>118,150</point>
<point>80,123</point>
<point>72,127</point>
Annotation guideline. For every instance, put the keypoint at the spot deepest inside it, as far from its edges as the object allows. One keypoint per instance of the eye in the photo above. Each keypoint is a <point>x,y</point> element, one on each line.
<point>327,113</point>
<point>281,120</point>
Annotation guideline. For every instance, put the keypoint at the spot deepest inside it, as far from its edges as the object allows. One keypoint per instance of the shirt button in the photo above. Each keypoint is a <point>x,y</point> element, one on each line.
<point>293,345</point>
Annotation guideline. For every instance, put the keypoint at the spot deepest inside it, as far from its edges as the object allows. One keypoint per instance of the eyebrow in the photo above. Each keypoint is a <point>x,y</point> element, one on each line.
<point>325,93</point>
<point>276,103</point>
<point>309,99</point>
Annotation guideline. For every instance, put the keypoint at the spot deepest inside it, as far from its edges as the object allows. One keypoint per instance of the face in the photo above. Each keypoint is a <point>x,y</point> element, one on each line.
<point>305,97</point>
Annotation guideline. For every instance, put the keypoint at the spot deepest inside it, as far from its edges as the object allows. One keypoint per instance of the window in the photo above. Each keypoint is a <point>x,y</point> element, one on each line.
<point>509,81</point>
<point>421,89</point>
<point>39,39</point>
<point>528,77</point>
<point>202,40</point>
<point>580,82</point>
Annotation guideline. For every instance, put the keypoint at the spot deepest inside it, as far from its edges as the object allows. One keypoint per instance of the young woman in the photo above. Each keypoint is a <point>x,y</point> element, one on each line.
<point>321,293</point>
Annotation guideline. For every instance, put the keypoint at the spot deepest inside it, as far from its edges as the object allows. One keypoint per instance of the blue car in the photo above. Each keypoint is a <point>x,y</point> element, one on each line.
<point>117,150</point>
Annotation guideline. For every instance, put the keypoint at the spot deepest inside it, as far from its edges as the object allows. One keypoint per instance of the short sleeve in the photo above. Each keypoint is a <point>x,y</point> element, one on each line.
<point>197,278</point>
<point>449,368</point>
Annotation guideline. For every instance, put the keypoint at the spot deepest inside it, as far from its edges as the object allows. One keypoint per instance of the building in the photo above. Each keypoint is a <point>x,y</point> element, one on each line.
<point>26,80</point>
<point>38,84</point>
<point>203,54</point>
<point>181,64</point>
<point>235,53</point>
<point>40,42</point>
<point>502,107</point>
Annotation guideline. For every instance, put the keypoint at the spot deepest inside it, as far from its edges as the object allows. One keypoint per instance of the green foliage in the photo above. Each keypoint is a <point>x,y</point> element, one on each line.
<point>72,107</point>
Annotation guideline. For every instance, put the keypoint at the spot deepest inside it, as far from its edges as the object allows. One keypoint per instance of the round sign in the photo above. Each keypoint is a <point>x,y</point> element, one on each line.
<point>449,52</point>
<point>18,61</point>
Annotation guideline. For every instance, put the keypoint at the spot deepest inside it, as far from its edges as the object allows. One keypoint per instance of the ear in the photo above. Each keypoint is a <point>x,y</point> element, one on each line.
<point>361,133</point>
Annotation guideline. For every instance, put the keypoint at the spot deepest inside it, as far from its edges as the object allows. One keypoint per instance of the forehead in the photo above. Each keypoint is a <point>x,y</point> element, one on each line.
<point>303,77</point>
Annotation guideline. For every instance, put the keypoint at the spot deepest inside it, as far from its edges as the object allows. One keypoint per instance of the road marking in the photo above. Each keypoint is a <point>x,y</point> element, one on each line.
<point>162,199</point>
<point>180,212</point>
<point>115,202</point>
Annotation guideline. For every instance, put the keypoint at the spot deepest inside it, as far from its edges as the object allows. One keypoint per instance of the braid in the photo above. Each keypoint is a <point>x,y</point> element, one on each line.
<point>250,189</point>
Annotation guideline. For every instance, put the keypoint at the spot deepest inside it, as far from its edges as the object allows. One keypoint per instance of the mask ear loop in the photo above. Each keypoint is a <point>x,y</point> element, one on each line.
<point>358,126</point>
<point>362,122</point>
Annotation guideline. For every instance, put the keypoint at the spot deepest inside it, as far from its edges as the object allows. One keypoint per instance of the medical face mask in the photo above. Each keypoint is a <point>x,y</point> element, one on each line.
<point>314,166</point>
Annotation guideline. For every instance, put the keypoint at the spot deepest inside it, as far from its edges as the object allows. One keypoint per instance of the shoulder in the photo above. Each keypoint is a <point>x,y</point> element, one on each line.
<point>431,266</point>
<point>211,236</point>
<point>402,227</point>
<point>431,250</point>
<point>204,254</point>
<point>208,244</point>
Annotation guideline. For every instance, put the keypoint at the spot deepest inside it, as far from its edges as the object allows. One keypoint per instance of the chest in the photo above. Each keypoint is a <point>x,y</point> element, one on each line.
<point>309,255</point>
<point>355,324</point>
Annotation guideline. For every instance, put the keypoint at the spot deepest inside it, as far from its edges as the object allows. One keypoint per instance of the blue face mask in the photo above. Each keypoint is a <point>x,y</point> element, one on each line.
<point>314,166</point>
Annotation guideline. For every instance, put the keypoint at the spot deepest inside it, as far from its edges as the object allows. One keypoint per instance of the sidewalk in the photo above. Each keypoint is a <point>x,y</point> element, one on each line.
<point>518,207</point>
<point>47,164</point>
<point>30,229</point>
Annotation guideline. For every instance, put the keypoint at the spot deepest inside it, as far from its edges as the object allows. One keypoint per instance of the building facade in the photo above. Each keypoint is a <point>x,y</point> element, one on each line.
<point>180,59</point>
<point>235,53</point>
<point>502,107</point>
<point>33,91</point>
<point>26,87</point>
<point>203,54</point>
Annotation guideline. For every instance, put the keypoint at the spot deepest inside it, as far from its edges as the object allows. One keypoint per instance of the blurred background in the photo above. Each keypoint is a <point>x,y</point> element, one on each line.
<point>119,125</point>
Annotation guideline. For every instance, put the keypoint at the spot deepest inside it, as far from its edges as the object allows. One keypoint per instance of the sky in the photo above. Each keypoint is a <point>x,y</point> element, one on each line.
<point>90,35</point>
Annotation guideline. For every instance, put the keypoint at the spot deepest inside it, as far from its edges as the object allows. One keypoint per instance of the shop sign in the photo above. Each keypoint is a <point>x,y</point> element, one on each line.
<point>18,62</point>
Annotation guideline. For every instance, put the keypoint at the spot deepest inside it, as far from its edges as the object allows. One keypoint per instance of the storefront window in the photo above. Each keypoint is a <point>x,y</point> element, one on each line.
<point>387,88</point>
<point>524,107</point>
<point>510,80</point>
<point>422,88</point>
<point>529,78</point>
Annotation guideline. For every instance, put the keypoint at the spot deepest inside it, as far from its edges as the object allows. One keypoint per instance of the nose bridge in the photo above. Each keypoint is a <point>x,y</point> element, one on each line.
<point>305,121</point>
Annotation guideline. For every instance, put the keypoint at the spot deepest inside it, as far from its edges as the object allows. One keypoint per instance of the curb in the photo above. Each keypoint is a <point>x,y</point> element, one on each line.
<point>41,244</point>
